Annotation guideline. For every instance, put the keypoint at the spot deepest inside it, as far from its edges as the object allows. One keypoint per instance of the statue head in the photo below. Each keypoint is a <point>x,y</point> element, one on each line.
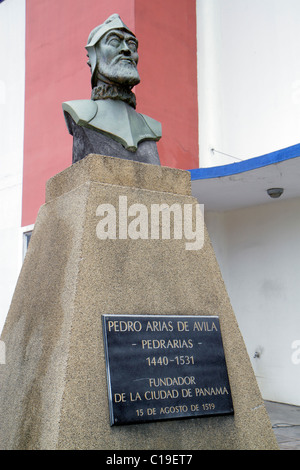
<point>112,52</point>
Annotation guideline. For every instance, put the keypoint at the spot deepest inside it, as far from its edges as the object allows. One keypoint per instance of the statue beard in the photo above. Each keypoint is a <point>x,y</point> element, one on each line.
<point>122,72</point>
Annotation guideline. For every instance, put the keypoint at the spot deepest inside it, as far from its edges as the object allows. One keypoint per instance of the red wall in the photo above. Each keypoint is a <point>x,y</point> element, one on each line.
<point>56,71</point>
<point>166,30</point>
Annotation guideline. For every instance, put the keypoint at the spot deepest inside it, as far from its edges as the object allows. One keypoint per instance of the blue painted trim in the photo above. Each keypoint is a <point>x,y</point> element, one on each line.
<point>246,165</point>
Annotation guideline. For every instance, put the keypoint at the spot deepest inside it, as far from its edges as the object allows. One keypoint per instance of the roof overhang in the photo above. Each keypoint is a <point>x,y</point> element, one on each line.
<point>245,184</point>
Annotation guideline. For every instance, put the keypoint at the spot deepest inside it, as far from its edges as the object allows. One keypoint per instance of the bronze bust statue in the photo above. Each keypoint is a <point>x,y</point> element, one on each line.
<point>108,124</point>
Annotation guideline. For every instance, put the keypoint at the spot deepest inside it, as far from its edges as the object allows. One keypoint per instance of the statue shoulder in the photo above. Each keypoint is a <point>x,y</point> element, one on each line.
<point>154,125</point>
<point>81,111</point>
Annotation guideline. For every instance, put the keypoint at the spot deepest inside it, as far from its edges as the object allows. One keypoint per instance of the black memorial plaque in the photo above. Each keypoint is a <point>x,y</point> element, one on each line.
<point>165,367</point>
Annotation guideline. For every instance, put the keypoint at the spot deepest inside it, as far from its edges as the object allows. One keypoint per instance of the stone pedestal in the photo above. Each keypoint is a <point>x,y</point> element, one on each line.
<point>53,386</point>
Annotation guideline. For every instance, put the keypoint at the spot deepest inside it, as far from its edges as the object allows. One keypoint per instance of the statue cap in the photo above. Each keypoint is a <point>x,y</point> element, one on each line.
<point>113,22</point>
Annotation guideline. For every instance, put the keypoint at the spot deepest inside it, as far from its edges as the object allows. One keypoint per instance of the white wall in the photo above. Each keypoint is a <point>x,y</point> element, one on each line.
<point>12,84</point>
<point>259,256</point>
<point>248,77</point>
<point>249,105</point>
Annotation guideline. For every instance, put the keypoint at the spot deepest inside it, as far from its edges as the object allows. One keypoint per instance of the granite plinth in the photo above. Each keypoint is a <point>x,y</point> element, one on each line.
<point>53,386</point>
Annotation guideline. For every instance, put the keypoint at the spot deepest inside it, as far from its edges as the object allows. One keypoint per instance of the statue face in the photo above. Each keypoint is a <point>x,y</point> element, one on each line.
<point>118,57</point>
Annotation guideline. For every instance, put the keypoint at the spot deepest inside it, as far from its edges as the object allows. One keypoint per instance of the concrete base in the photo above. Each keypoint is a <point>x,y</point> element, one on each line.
<point>53,387</point>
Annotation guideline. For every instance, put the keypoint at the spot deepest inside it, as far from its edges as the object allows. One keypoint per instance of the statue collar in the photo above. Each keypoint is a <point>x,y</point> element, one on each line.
<point>116,119</point>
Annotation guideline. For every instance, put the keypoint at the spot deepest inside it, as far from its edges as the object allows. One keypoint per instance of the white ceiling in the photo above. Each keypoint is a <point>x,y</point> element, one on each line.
<point>248,188</point>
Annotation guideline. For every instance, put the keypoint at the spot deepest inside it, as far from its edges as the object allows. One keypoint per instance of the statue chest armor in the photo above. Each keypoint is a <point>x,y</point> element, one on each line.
<point>115,119</point>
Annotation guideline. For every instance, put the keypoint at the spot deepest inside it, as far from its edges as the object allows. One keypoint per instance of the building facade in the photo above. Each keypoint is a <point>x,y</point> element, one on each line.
<point>223,78</point>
